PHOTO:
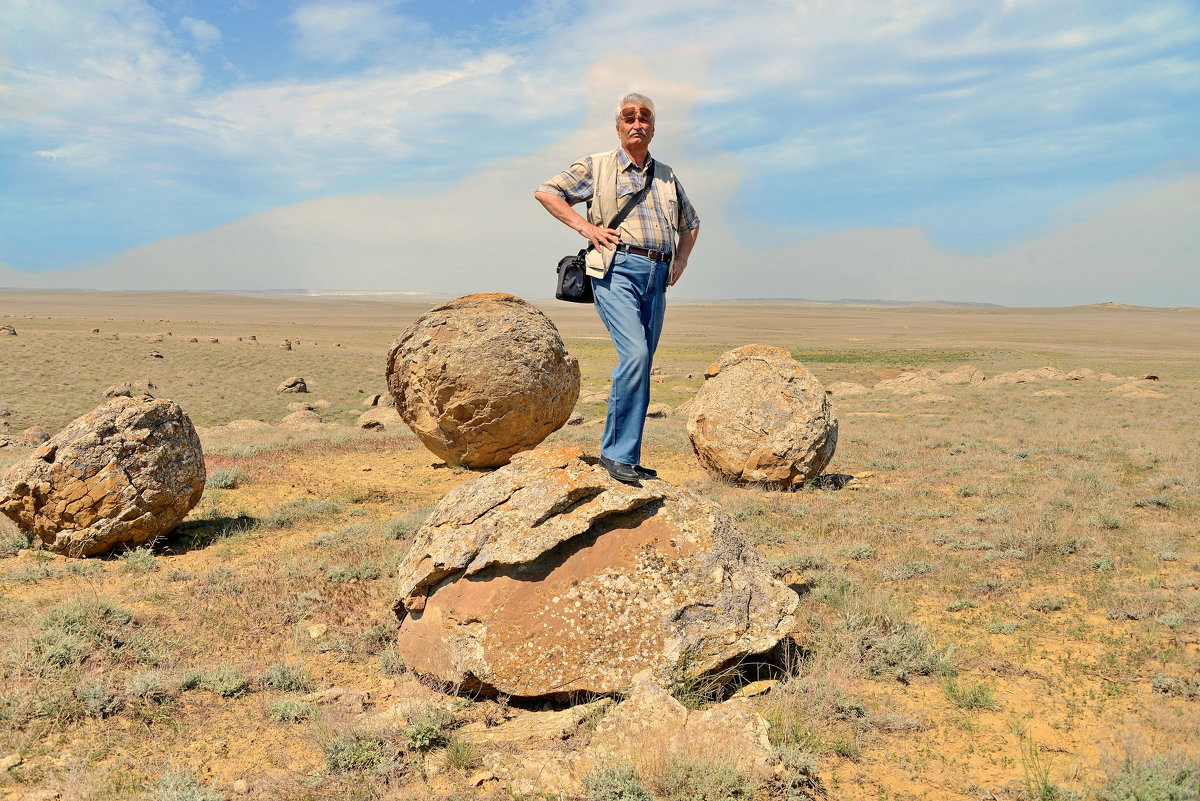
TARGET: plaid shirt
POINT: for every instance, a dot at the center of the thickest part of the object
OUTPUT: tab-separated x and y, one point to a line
647	225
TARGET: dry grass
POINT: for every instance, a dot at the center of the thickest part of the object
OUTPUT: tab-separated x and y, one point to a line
1005	603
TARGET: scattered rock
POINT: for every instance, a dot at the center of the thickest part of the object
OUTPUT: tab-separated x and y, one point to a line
122	474
322	404
548	577
1083	374
846	388
353	701
762	418
1149	377
114	337
155	354
192	339
285	345
576	419
317	630
293	384
300	406
95	331
241	787
650	725
246	425
213	340
482	377
7	330
10	761
5	412
122	390
252	338
306	418
966	374
910	383
379	418
1030	376
660	410
35	435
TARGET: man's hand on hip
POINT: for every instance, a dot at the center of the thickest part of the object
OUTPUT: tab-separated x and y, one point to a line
678	265
601	238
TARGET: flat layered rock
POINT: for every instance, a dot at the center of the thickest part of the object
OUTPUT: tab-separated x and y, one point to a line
119	476
760	417
549	577
482	377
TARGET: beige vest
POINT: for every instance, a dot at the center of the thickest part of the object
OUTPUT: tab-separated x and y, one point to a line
604	204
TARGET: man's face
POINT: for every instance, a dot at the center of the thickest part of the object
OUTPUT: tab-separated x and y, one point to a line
635	128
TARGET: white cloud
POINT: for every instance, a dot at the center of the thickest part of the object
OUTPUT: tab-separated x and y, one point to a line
341	30
204	34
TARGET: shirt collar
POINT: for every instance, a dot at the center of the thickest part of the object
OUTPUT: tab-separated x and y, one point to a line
624	162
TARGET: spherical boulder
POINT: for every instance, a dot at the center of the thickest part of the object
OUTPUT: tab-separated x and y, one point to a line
482	377
119	476
761	418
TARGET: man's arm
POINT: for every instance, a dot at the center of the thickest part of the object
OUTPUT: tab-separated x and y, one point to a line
558	207
687	241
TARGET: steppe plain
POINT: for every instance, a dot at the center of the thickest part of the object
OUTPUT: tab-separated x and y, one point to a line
1003	603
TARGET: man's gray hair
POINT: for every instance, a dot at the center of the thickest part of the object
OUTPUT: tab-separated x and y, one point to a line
634	97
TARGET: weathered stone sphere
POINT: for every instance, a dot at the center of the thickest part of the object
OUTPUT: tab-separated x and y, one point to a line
761	418
482	377
119	476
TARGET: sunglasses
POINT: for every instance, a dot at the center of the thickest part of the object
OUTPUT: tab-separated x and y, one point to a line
639	116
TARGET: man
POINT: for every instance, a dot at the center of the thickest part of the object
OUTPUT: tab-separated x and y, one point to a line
630	266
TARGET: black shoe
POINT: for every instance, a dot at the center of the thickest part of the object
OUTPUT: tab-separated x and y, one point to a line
625	473
645	472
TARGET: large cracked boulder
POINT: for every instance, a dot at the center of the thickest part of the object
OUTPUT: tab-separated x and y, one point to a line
482	377
122	474
549	577
761	418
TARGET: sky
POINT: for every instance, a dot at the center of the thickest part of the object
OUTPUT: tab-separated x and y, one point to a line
980	124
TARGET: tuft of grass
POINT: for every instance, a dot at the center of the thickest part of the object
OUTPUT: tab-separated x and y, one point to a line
139	560
426	727
698	777
1187	688
463	754
1109	521
227	479
98	699
289	710
149	687
225	681
618	782
1163	778
286	678
858	551
361	751
179	786
968	695
1047	604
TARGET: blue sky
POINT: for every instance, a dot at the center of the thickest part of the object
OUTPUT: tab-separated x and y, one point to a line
981	122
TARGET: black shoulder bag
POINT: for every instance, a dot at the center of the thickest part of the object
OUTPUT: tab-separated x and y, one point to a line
574	285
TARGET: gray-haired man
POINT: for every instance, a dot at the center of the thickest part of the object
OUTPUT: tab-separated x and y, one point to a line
630	267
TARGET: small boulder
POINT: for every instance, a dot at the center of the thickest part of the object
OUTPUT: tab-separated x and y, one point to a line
912	382
119	476
379	418
192	339
293	384
656	410
7	330
298	406
155	354
761	418
482	377
285	345
213	340
846	388
1030	376
576	419
548	577
305	418
966	374
95	331
1083	374
122	390
34	435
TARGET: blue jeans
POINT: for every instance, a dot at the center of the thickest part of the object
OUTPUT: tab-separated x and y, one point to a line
631	300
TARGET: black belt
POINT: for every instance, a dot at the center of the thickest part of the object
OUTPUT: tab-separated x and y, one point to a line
652	255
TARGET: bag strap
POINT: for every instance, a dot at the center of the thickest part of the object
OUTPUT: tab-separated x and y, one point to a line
629	204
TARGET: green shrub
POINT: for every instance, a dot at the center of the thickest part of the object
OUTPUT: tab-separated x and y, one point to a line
1159	779
361	751
139	560
288	710
708	777
462	754
98	699
1048	604
224	681
620	782
149	687
226	479
426	727
971	695
177	786
286	678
